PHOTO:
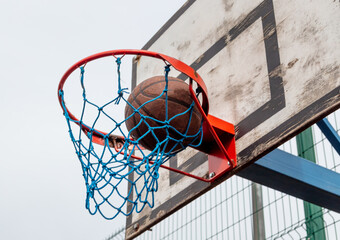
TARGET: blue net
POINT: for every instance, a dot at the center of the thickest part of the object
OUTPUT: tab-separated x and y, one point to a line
117	170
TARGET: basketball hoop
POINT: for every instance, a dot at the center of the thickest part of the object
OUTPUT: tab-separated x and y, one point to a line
128	151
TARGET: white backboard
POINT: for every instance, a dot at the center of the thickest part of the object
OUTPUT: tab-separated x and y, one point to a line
271	68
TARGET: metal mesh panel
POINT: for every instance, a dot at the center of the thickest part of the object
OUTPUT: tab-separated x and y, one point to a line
226	211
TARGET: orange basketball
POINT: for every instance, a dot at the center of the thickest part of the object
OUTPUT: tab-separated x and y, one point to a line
178	102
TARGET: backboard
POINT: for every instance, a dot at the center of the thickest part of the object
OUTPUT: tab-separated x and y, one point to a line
271	68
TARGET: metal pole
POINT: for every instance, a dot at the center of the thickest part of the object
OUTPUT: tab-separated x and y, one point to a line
258	217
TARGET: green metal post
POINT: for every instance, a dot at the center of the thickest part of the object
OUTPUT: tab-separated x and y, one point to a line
313	213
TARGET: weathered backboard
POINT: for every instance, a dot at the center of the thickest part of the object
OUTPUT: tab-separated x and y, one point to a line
271	68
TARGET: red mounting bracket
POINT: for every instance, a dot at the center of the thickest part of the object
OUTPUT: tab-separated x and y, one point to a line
219	144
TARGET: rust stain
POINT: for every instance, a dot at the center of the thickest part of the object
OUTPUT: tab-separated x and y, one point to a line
160	213
199	59
212	70
279	71
137	59
292	63
183	45
268	33
268	13
228	5
227	39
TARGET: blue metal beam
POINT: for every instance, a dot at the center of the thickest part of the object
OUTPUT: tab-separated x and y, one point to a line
298	177
330	133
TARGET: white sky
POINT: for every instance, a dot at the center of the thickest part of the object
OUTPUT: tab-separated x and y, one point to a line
42	192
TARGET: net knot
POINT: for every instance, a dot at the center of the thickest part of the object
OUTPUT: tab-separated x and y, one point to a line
120	95
167	69
91	188
121	90
61	93
119	60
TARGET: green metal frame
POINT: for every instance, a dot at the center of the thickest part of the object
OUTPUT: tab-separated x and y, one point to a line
313	213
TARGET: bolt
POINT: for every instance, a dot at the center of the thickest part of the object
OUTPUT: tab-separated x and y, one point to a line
211	175
136	226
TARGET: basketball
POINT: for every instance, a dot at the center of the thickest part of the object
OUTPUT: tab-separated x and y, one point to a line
178	102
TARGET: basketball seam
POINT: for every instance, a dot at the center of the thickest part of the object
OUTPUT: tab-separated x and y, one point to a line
141	91
146	143
148	113
136	103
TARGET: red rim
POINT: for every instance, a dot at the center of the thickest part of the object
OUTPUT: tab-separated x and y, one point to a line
177	64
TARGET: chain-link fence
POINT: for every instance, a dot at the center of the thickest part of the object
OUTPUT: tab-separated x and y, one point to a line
230	211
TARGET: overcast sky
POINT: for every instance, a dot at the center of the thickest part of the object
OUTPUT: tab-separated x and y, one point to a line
42	192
